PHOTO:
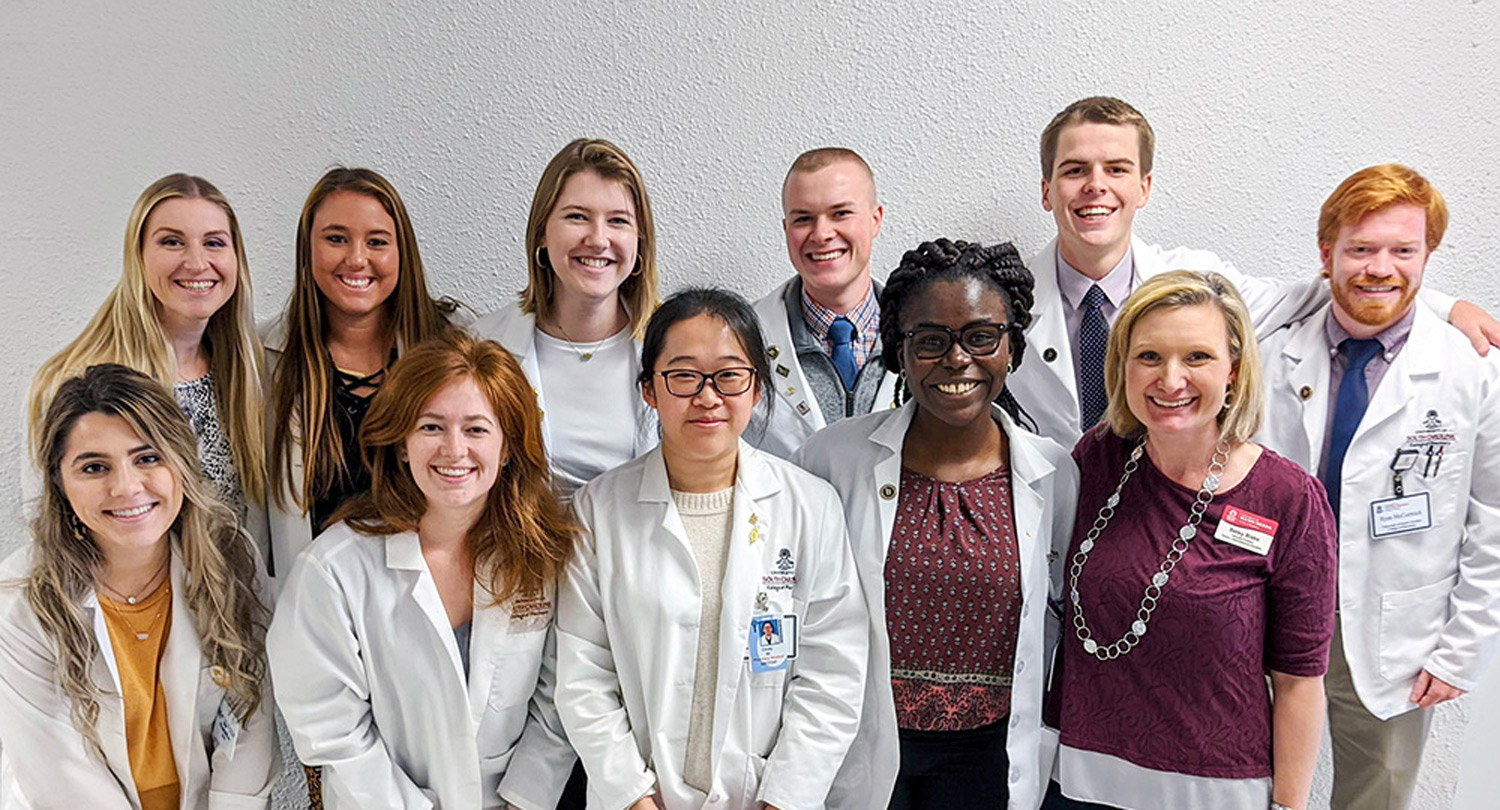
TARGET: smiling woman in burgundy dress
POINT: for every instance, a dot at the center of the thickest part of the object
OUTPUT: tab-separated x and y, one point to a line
1201	563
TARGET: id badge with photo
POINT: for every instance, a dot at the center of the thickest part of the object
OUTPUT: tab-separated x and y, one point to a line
773	642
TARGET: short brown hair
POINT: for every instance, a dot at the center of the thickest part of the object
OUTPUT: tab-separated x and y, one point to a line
639	290
825	156
1184	288
1371	189
524	536
1098	110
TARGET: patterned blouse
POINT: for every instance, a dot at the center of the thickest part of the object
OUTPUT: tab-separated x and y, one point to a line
201	405
953	601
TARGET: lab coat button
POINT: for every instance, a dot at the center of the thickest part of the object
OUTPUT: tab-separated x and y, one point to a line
888	491
1049	355
1015	774
1306	392
1025	611
1020	666
716	797
1015	719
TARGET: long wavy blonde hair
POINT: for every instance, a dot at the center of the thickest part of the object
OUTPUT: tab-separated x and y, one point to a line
127	330
302	406
220	560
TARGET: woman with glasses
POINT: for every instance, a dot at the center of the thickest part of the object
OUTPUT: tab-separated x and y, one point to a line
670	686
952	510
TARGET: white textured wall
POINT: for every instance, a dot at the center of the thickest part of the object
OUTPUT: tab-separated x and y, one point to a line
1260	108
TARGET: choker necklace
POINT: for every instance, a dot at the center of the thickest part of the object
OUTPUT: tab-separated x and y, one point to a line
1149	601
151	585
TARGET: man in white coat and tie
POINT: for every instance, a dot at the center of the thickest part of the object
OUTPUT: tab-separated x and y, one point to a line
822	327
1401	421
1096	173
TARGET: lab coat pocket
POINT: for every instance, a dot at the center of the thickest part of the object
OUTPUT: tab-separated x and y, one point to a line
515	679
1410	623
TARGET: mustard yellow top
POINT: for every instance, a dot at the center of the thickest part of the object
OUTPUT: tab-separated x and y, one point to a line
139	635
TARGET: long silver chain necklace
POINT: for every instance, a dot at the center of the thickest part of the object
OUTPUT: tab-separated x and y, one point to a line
1152	596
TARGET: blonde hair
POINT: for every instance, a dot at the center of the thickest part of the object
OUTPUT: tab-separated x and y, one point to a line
302	386
1184	288
1371	189
126	330
524	536
638	291
220	560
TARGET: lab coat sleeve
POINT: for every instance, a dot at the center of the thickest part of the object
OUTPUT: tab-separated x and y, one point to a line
1469	638
322	690
1273	302
54	766
543	760
821	711
589	699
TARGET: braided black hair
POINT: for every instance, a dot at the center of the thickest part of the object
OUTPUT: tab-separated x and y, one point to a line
999	266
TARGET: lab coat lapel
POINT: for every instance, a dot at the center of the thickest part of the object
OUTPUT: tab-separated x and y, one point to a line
1419	357
1049	329
781	353
403	552
1027	469
753	538
181	669
487	635
1306	354
656	489
111	724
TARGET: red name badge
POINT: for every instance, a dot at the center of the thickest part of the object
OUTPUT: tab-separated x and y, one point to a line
1246	530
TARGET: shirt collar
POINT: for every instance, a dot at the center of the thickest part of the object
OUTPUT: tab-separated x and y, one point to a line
1392	338
1116	284
865	316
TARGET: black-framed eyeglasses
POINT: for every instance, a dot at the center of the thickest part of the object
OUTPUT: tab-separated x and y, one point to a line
978	339
729	382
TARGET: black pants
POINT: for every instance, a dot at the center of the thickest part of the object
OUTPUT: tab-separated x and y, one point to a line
574	794
1057	801
943	770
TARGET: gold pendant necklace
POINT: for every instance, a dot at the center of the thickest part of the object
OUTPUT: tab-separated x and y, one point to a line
142	635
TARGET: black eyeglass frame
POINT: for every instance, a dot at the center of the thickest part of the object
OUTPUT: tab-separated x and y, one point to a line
706	379
960	337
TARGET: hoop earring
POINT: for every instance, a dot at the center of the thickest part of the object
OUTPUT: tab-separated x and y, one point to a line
80	530
542	262
635	271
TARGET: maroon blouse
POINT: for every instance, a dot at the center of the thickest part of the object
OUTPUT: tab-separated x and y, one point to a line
952	601
1191	697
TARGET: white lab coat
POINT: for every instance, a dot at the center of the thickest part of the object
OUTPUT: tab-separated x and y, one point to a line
862	457
516	331
372	687
628	614
46	763
1046	382
796	414
1428	600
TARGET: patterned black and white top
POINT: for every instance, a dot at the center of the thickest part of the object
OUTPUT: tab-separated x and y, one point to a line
201	405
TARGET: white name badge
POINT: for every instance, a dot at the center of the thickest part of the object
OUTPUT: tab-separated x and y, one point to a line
1246	530
226	730
773	642
1395	516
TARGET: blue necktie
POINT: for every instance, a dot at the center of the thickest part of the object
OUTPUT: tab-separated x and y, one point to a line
840	332
1093	338
1354	397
